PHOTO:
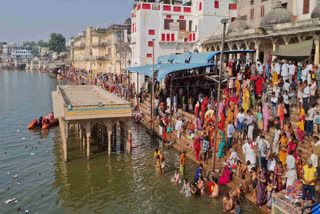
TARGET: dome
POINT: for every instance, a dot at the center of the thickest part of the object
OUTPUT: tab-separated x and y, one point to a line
316	11
277	15
237	26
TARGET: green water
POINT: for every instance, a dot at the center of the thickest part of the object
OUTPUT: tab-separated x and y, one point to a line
120	184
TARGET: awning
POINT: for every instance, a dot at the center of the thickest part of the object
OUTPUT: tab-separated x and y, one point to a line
181	58
169	68
202	57
145	69
165	58
295	51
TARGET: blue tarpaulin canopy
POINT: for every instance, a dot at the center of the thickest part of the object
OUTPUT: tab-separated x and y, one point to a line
165	58
173	63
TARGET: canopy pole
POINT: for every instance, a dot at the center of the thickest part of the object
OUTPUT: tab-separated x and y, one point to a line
224	22
152	90
171	92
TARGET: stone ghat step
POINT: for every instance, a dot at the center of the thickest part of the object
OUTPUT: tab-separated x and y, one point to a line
305	148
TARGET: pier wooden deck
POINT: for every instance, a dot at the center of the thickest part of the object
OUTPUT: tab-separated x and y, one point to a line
86	107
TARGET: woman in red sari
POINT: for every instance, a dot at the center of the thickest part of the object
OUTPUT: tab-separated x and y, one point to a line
197	147
225	178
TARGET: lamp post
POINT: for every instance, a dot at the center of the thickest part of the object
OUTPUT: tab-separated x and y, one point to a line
224	22
152	88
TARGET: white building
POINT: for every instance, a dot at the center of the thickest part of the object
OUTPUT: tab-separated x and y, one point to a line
21	53
175	29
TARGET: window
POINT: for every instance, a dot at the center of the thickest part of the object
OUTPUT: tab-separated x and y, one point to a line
149	55
233	19
216	4
306	6
190	25
181	17
262	11
252	13
168	16
163	37
200	6
150	44
172	37
168	37
182	24
167	23
251	2
176	9
151	32
166	7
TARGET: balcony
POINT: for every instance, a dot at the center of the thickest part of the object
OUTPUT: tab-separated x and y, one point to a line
80	46
101	44
106	57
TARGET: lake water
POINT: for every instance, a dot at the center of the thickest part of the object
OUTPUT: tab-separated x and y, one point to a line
121	183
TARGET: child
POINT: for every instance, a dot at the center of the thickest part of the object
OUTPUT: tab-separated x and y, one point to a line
236	209
254	181
260	119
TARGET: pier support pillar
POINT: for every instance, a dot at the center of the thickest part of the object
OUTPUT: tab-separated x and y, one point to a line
129	141
88	133
109	129
81	136
64	129
121	135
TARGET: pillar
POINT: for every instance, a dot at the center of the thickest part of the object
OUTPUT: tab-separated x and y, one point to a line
81	133
274	47
88	133
114	134
316	54
83	138
109	129
257	51
128	146
121	135
64	136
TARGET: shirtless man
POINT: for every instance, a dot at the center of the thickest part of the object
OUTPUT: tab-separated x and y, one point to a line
227	203
237	191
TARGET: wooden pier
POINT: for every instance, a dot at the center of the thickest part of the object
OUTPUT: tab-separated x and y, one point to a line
93	112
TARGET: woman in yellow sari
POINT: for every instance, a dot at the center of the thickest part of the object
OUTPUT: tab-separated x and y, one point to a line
238	87
283	148
230	113
245	100
274	78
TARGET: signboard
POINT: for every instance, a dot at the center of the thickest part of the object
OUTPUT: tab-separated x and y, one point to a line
174	26
183	34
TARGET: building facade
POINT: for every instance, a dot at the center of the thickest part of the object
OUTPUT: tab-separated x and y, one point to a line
266	25
101	49
175	28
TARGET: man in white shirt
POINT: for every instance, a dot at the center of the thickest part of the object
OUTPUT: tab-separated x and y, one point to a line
248	150
292	71
175	103
309	120
286	86
277	68
264	149
285	71
230	131
305	96
291	173
313	88
178	126
304	74
314	159
250	124
274	103
240	122
169	104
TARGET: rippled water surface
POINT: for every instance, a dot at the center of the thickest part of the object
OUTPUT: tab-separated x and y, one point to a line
46	184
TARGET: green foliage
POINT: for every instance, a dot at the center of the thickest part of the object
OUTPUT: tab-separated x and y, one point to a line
57	42
29	44
43	44
35	51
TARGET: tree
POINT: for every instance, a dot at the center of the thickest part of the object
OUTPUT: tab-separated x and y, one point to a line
29	44
57	43
43	44
35	51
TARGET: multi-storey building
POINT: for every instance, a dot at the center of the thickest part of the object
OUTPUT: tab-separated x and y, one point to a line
15	51
101	49
174	28
272	25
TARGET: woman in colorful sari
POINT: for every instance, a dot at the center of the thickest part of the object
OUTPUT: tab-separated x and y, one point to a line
222	120
245	100
283	148
225	178
272	185
279	172
252	95
274	78
221	146
238	87
266	115
280	112
300	129
292	146
230	114
197	147
261	188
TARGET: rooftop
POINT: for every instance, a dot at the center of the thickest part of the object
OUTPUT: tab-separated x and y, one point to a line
87	95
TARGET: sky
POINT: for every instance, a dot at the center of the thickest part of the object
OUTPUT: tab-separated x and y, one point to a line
34	20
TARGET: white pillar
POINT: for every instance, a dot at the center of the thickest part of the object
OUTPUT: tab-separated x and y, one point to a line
88	133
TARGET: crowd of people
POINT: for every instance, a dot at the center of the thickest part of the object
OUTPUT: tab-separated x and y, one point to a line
265	115
256	112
